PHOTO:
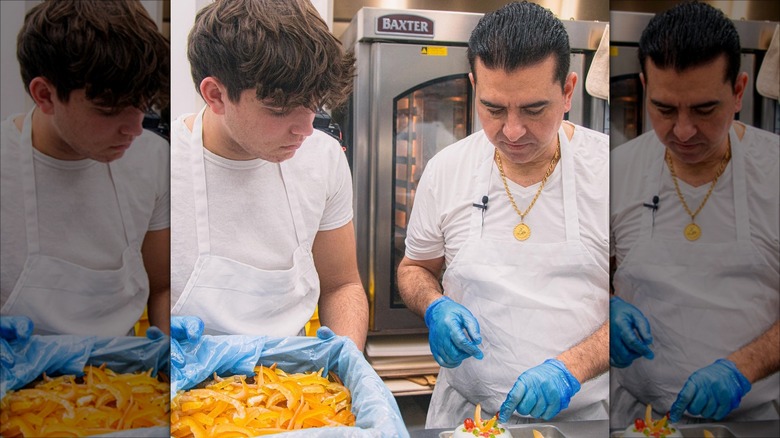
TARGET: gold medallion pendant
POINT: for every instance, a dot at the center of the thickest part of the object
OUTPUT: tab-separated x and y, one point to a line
522	232
692	232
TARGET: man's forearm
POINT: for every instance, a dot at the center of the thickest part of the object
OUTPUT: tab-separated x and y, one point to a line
761	357
158	310
418	288
590	357
345	311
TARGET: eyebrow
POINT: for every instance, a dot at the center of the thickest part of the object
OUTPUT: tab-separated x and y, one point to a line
697	106
530	105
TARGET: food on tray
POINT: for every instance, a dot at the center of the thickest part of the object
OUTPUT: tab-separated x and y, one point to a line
481	428
648	427
269	402
708	434
100	402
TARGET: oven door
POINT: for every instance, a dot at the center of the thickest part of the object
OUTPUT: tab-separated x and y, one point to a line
421	104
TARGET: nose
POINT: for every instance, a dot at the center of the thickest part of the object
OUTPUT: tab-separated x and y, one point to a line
684	127
514	128
132	122
302	123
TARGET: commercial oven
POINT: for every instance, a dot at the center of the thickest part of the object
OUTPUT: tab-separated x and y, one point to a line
412	98
627	112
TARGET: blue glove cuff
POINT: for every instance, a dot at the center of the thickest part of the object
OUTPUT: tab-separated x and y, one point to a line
429	310
571	381
614	298
739	378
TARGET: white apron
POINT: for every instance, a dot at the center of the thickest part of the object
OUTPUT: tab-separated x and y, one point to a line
65	298
532	301
689	291
234	298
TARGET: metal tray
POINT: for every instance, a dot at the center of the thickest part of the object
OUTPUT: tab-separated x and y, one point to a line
694	431
526	431
697	430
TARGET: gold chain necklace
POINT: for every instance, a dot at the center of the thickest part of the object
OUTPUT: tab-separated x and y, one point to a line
522	231
692	231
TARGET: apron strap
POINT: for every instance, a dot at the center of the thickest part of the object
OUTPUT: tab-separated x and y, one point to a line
290	187
652	183
200	191
31	198
738	178
124	206
483	173
570	212
28	187
197	166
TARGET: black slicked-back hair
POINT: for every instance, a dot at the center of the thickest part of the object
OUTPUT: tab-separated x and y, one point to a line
690	35
519	35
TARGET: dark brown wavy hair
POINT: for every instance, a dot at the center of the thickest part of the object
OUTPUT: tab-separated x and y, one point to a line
112	49
280	48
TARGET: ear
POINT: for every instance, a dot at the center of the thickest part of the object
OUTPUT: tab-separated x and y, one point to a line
568	90
214	93
739	90
43	93
471	79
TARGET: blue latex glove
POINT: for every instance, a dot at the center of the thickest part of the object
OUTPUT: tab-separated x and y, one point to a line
194	357
14	330
542	392
446	321
629	334
712	392
65	354
183	329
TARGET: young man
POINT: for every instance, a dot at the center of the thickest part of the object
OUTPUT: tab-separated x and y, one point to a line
528	284
262	203
694	320
85	215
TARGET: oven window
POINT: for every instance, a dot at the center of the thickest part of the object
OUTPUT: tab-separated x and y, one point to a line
625	108
426	119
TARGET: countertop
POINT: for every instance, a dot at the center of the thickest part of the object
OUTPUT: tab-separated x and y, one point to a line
585	429
600	429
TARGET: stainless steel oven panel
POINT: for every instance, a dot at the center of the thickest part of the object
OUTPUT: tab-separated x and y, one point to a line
362	156
448	27
746	114
391	66
627	27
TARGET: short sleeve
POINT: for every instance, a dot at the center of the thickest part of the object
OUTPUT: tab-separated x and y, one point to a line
338	205
161	215
424	236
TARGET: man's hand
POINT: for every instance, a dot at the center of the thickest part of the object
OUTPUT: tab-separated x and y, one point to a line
711	392
542	392
629	334
446	321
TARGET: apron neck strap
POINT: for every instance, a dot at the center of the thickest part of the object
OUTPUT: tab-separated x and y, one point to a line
197	165
483	175
653	178
739	183
31	197
200	192
571	214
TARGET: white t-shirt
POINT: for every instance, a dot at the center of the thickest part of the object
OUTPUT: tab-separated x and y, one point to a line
78	212
439	223
716	219
249	214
